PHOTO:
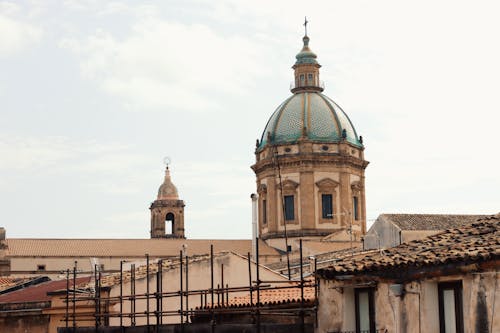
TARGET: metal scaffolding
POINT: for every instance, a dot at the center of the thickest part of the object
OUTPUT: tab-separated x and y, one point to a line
213	306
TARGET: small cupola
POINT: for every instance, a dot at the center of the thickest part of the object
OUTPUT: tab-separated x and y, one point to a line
167	190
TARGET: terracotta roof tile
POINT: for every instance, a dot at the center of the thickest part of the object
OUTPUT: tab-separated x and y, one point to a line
285	294
476	242
7	282
274	296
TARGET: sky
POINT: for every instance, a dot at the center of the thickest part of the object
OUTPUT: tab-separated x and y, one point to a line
94	94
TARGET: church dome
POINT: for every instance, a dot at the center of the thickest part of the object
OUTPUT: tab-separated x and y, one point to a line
309	115
167	190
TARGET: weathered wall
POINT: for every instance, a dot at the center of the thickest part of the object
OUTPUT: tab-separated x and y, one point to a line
481	298
199	328
333	301
22	318
417	309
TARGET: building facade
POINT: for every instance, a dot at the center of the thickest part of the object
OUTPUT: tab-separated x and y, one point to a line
309	164
446	282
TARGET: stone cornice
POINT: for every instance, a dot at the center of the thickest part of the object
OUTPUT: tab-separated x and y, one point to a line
344	142
298	233
313	159
167	203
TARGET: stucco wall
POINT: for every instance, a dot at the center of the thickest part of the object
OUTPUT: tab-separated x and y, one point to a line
55	265
58	264
417	310
24	323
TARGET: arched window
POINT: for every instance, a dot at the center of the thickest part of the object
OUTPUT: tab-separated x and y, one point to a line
169	223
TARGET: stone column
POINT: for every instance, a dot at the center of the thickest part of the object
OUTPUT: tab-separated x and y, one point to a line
273	204
307	202
179	220
363	205
345	210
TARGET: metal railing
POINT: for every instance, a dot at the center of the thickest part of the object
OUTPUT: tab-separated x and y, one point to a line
306	84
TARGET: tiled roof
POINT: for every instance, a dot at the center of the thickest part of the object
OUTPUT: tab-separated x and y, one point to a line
477	242
19	247
274	296
37	293
430	221
7	282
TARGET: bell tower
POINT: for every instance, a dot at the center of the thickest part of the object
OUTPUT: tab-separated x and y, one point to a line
167	211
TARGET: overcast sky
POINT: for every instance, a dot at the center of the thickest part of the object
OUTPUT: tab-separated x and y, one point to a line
94	94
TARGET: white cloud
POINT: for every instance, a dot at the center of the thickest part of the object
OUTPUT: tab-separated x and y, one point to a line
32	153
9	8
127	217
166	64
59	153
16	35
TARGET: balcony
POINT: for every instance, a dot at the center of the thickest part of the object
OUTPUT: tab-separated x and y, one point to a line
307	86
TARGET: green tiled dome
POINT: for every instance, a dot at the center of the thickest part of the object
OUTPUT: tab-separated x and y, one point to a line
321	117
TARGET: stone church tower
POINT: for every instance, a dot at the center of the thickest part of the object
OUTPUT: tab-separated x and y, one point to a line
310	165
167	211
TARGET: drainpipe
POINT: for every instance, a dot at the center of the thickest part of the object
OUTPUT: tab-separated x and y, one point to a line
255	214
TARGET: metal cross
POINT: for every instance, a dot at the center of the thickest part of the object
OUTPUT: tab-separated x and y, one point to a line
167	160
305	24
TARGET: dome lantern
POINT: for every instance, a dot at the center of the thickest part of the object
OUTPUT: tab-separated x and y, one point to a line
306	69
